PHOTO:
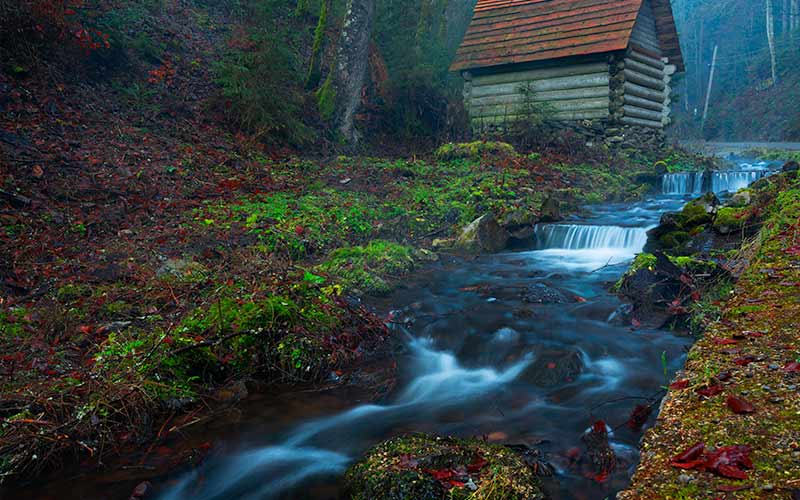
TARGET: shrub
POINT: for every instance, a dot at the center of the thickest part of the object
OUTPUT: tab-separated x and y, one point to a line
262	77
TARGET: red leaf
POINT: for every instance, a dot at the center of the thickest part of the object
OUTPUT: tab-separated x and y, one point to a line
710	391
299	230
722	377
477	464
725	341
441	474
639	416
579	299
728	461
636	323
691	458
679	384
793	367
739	405
599	426
85	329
744	361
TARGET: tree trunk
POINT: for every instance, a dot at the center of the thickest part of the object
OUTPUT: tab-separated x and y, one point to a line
346	80
771	40
457	14
785	29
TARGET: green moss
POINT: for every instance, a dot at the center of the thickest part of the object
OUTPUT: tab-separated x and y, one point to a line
675	239
116	309
13	323
730	218
365	268
642	261
473	150
73	291
398	469
326	99
694	214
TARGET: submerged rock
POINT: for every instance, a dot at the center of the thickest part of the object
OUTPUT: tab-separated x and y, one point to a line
539	293
554	367
484	234
423	467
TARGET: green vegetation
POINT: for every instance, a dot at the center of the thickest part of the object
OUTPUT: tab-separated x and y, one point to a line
363	269
473	150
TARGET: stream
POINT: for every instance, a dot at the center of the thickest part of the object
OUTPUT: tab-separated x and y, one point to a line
523	347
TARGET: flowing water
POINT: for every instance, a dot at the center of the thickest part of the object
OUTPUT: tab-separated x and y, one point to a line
718	181
480	336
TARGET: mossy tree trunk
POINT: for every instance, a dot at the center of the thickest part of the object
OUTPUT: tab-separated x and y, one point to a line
340	96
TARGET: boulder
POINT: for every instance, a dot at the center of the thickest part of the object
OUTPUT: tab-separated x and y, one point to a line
741	199
483	234
791	166
519	223
442	243
552	368
551	210
425	467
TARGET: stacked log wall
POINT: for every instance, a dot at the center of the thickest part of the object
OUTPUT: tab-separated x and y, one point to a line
643	77
570	93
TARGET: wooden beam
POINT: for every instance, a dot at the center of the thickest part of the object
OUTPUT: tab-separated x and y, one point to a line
638	122
643	80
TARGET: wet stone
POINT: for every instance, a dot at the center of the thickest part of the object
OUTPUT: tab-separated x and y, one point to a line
539	293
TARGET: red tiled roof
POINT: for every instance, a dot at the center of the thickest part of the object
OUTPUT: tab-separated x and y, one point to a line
518	31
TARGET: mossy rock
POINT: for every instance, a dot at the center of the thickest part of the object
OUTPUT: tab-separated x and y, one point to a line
730	219
407	467
473	150
699	211
674	239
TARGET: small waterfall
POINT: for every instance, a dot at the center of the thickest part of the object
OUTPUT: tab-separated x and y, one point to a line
682	183
580	237
721	181
732	181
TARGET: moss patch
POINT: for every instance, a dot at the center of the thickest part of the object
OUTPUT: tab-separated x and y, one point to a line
412	467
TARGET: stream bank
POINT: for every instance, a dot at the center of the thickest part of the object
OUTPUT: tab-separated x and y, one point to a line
730	425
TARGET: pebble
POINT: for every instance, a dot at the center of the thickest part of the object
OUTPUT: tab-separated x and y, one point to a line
773	367
776	400
769	487
685	478
792	387
767	388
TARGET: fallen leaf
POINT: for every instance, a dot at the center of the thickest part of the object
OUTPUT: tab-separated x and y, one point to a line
793	367
679	384
639	417
739	406
725	341
710	391
691	458
744	361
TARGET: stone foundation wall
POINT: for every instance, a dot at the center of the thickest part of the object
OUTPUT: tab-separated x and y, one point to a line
615	135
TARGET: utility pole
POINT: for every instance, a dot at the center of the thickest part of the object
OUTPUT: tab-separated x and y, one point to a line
710	85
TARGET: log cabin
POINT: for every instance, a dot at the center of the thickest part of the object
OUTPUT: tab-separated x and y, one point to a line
598	65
